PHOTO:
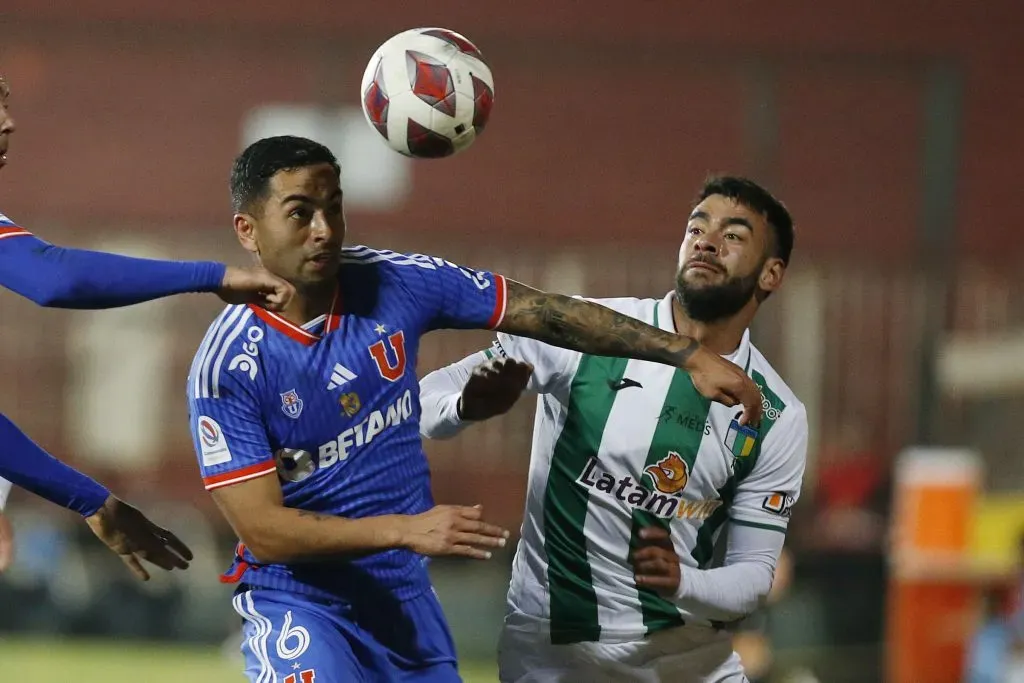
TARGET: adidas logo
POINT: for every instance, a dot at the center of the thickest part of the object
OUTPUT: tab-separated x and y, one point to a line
340	376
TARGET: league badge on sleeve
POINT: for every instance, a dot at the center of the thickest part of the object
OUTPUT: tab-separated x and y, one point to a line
291	404
740	439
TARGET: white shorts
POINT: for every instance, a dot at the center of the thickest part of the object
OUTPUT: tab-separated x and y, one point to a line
677	655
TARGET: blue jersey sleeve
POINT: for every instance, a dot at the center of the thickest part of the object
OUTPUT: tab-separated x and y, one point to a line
447	295
60	277
228	431
24	463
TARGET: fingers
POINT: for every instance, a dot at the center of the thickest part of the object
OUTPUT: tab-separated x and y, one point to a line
470	521
155	551
654	564
507	369
483	528
135	566
480	539
661	583
752	403
175	544
471	552
653	552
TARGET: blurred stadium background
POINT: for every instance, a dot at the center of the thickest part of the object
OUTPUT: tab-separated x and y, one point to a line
892	130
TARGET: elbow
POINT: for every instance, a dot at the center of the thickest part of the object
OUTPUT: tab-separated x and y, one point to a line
49	296
267	552
267	547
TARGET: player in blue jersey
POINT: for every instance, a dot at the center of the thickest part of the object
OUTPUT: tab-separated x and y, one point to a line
305	424
72	278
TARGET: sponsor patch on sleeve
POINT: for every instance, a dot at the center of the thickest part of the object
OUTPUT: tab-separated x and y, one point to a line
777	503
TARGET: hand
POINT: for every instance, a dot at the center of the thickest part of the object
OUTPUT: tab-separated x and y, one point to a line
132	536
493	388
6	543
452	530
724	382
254	285
655	563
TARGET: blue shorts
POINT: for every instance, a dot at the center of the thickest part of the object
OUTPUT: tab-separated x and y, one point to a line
307	640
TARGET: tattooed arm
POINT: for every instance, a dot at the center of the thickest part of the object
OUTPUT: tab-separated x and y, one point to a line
594	329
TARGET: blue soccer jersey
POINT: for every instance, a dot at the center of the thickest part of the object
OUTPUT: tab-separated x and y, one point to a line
332	408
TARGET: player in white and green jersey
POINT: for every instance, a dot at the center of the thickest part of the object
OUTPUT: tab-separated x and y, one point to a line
634	474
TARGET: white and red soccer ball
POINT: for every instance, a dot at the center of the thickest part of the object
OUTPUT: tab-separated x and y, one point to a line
428	92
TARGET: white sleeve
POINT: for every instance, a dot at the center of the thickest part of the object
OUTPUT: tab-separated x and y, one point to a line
5	491
765	498
758	519
439	397
550	363
741	585
440	390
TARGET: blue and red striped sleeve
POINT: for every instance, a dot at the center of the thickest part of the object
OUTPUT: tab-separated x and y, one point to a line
450	296
228	431
26	464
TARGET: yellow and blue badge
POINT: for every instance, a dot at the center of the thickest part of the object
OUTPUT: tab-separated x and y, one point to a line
740	439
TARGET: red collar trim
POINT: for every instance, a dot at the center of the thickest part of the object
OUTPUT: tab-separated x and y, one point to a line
295	332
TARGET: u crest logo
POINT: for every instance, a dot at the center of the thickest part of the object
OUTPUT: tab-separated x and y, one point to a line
388	370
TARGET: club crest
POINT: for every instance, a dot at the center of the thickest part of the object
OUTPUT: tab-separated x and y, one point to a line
291	404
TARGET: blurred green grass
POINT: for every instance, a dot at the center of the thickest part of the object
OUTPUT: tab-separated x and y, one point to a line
76	661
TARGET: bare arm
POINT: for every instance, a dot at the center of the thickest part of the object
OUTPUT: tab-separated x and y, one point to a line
594	329
590	328
275	533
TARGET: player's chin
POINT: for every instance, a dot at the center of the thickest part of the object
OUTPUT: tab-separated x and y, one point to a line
698	278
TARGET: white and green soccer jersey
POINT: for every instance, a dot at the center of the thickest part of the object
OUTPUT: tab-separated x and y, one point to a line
619	444
622	444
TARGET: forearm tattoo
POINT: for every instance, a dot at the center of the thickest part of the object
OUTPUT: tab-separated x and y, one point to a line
589	328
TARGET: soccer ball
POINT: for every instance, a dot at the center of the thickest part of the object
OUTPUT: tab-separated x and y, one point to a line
428	92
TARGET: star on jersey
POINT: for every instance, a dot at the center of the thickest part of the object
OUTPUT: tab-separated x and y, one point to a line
380	329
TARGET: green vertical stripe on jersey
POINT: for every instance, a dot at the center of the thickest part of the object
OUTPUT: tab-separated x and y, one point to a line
680	430
773	406
573	600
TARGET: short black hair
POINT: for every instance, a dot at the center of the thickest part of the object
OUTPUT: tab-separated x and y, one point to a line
254	167
751	195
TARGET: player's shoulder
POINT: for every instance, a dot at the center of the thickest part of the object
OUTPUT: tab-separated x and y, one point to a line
231	347
386	259
778	398
367	270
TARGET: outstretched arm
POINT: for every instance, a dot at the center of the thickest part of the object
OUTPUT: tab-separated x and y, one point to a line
123	529
590	328
62	277
25	464
595	329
